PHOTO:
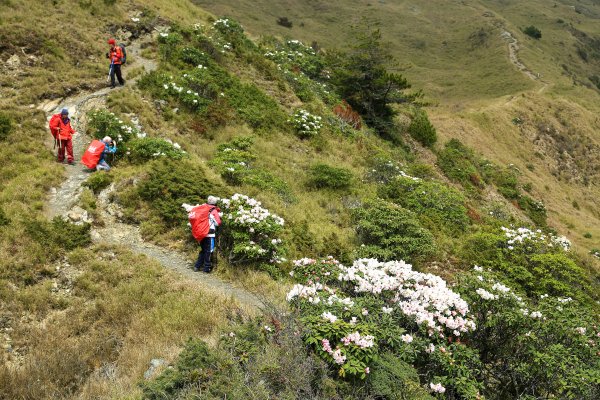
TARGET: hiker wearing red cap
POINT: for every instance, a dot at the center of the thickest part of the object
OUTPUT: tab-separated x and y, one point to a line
116	57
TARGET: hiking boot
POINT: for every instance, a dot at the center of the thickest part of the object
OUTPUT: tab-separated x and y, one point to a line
71	162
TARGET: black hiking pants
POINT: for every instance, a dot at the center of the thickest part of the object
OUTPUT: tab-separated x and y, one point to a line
206	247
116	70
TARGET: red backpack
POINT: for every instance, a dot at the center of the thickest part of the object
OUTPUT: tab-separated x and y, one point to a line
93	153
199	220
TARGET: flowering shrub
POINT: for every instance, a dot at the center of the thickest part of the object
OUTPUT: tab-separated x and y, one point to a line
525	344
352	312
250	232
527	241
144	149
384	170
234	162
294	54
105	123
305	123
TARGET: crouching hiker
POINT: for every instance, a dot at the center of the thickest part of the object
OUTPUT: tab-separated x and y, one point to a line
95	155
60	127
204	219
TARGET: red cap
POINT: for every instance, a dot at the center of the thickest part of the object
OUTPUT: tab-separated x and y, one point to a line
111	41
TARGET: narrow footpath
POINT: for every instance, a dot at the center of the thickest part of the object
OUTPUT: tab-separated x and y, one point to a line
64	199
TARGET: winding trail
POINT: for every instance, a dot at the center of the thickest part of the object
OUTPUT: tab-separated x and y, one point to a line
63	199
513	55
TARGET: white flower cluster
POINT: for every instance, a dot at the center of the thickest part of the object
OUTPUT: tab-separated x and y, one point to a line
525	236
222	22
437	387
422	296
361	341
248	211
306	124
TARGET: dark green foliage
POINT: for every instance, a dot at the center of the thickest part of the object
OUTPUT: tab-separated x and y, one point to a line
145	149
438	206
389	232
172	183
364	81
194	57
58	235
255	108
484	249
285	22
234	162
4	220
197	367
393	379
587	235
557	275
595	80
5	126
421	129
98	181
323	176
458	163
535	210
533	32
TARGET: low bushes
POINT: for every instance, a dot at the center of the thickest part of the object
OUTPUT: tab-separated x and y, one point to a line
421	129
172	183
438	206
389	232
323	176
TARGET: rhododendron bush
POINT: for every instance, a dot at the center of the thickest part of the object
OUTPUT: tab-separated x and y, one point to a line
250	231
459	338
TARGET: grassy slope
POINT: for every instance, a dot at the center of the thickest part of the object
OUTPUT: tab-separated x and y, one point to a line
475	89
475	112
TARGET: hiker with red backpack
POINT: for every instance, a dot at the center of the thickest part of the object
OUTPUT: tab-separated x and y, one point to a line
61	130
117	57
95	155
204	219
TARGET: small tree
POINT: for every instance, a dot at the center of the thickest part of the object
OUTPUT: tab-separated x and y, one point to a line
363	79
422	130
533	32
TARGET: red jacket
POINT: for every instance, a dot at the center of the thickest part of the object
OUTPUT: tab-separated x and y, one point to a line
59	128
115	54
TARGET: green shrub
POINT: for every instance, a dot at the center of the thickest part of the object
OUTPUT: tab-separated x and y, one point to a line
195	368
103	123
255	108
170	183
194	57
438	206
535	210
421	129
389	232
393	379
4	220
58	235
234	162
458	163
97	182
145	149
325	176
525	345
533	32
5	126
484	249
557	275
587	235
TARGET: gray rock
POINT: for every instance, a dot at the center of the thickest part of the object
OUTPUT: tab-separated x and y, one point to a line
155	363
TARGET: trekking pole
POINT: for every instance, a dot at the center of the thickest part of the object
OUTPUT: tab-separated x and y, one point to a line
109	72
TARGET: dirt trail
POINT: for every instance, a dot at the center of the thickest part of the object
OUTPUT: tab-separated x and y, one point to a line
64	198
513	55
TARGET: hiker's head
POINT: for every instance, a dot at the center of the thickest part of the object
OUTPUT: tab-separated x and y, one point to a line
212	200
112	42
64	113
107	140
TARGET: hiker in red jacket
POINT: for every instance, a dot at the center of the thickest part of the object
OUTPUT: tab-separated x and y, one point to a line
116	57
205	220
60	127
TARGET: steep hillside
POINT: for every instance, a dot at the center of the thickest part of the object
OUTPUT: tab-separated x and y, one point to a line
370	248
